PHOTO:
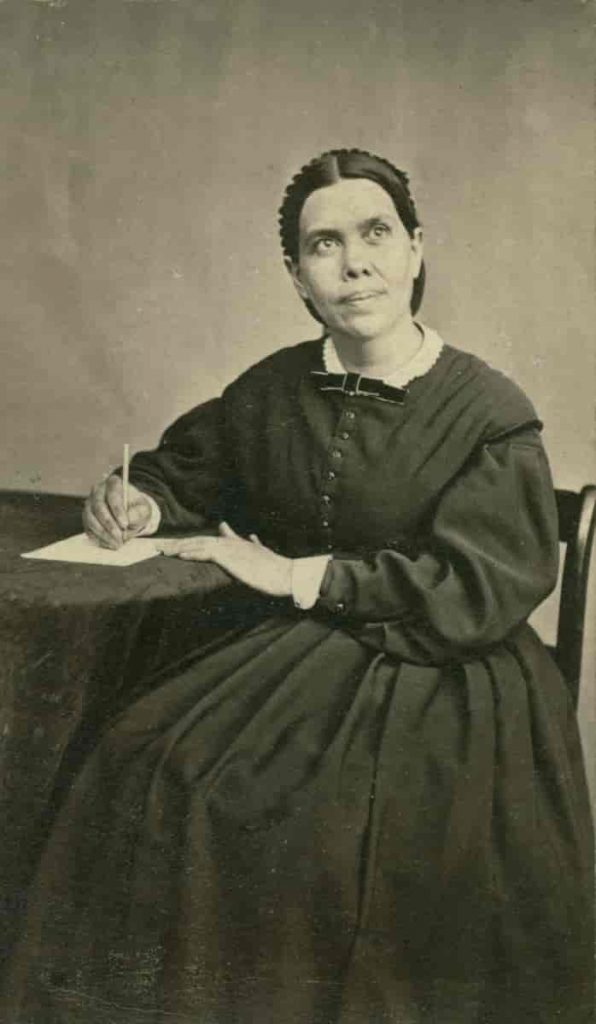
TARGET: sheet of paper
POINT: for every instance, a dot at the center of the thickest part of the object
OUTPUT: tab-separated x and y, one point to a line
81	548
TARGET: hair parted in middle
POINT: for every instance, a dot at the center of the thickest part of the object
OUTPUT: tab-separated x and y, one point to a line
328	169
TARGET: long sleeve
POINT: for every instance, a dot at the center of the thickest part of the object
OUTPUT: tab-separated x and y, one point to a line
189	474
488	559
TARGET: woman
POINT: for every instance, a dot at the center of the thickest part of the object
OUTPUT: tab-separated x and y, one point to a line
368	803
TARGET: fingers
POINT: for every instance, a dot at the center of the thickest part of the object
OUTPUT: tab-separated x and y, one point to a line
198	549
139	514
106	520
95	530
227	531
98	519
114	499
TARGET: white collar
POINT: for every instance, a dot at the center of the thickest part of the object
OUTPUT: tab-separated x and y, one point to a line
420	363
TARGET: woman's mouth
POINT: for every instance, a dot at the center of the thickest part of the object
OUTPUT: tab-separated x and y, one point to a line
355	298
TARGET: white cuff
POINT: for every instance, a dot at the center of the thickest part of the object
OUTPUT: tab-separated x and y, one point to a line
154	520
307	576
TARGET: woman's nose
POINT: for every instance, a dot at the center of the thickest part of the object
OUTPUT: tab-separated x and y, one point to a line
355	260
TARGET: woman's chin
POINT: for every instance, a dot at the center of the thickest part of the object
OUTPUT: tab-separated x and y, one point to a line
365	327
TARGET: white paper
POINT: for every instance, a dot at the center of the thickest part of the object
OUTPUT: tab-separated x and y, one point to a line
81	548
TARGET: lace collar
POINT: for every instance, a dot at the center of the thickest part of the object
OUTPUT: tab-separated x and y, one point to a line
420	363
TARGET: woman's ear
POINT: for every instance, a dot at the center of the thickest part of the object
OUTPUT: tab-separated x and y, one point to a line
294	272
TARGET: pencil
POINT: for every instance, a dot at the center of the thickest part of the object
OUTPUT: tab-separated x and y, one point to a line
125	468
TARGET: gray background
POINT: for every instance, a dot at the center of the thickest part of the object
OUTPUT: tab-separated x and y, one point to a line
146	146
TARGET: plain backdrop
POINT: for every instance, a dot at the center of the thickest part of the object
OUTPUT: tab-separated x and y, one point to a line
145	148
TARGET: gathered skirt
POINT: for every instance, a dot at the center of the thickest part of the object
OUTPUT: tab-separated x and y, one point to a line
290	828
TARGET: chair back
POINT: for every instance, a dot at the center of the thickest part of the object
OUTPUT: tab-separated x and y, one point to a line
577	524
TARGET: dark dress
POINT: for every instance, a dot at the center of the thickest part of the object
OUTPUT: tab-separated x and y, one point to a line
371	812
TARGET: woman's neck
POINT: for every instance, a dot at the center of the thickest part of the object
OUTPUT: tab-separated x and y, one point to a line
380	356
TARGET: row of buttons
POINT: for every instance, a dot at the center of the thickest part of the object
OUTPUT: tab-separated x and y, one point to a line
327	499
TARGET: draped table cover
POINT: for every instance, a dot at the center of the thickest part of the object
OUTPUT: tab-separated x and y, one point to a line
76	641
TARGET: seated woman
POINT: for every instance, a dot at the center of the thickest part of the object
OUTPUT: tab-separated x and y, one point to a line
366	804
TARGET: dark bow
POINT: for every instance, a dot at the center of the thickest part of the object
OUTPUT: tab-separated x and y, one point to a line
354	384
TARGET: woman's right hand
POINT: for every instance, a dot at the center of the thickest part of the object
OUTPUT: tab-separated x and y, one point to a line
104	516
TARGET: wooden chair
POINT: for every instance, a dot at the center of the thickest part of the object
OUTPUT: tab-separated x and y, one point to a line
577	525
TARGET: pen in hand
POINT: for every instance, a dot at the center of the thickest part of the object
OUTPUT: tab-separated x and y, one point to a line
116	511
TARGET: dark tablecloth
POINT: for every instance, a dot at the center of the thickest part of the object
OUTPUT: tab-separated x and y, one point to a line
76	642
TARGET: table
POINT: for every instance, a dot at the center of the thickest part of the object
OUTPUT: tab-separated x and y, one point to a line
76	642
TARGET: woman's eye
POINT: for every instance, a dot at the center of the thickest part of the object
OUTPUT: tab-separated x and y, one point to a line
322	246
378	231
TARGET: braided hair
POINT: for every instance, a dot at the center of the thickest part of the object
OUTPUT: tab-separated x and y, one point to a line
330	168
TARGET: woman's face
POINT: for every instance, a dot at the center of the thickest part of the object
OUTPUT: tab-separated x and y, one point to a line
357	262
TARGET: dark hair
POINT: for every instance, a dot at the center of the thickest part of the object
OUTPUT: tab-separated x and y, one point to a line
328	169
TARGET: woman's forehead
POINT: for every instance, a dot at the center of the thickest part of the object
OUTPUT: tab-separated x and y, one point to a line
343	203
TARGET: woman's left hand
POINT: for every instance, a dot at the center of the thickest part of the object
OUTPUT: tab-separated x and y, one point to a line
247	560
